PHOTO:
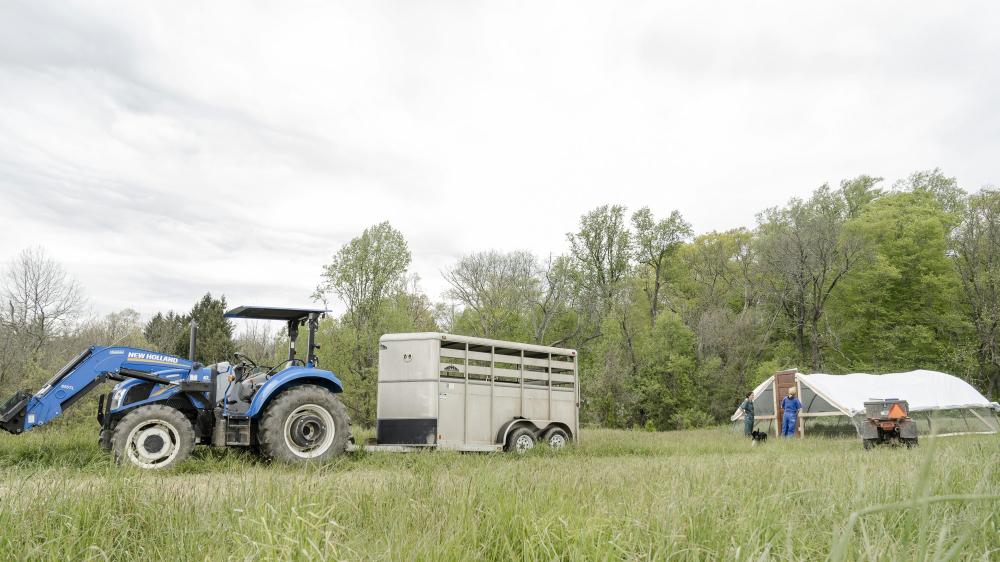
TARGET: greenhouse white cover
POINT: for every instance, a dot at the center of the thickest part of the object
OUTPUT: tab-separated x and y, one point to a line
923	390
826	394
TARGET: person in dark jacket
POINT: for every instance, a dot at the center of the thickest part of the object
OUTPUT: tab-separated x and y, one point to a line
747	407
791	405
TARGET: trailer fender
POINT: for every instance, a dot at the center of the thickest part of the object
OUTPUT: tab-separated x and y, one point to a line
562	426
292	377
513	424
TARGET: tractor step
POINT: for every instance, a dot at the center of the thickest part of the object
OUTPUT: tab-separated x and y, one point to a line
238	431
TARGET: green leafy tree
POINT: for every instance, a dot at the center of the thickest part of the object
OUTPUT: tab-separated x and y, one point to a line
601	249
656	242
902	311
945	190
365	271
860	192
666	384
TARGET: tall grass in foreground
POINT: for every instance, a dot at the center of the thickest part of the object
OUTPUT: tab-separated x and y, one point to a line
697	495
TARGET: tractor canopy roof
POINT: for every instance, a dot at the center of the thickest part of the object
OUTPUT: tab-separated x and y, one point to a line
273	313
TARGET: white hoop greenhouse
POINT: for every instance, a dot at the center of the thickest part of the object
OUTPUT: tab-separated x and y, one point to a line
941	404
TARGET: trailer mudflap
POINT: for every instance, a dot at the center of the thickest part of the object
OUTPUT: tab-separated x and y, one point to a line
12	412
406	431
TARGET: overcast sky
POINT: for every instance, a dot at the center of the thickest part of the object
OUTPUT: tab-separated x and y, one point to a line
233	147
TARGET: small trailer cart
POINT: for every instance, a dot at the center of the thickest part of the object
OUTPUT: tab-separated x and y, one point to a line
888	422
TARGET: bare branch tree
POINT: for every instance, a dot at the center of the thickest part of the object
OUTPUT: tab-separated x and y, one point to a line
40	300
808	252
498	287
257	340
555	292
976	254
124	327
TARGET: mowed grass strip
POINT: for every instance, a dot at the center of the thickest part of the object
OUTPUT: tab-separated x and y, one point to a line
619	495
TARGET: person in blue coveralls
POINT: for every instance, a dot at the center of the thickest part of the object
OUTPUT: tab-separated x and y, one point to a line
791	405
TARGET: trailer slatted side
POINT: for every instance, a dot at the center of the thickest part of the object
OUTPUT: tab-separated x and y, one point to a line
476	386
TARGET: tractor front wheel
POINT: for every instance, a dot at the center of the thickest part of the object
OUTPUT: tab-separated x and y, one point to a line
154	437
304	423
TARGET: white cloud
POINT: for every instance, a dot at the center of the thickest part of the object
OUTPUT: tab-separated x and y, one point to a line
164	151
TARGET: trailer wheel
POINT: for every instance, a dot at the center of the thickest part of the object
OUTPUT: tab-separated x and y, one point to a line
556	438
153	437
869	443
521	440
304	423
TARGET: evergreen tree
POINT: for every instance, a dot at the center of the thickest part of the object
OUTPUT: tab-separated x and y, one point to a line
215	332
164	331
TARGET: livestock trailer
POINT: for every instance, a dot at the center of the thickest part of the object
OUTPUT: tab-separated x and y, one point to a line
474	394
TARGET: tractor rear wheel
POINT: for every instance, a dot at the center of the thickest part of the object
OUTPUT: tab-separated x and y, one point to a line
153	437
304	423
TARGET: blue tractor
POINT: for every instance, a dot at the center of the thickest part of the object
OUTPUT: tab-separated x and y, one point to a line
163	405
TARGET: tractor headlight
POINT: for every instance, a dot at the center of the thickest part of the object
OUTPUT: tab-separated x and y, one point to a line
117	398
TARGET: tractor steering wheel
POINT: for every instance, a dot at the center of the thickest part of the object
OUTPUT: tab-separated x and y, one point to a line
274	370
244	359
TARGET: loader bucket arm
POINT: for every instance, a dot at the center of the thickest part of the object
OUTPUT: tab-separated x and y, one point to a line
83	373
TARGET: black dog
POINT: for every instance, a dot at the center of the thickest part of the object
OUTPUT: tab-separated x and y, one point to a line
758	436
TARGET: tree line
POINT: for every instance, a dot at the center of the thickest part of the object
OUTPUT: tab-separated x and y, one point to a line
671	326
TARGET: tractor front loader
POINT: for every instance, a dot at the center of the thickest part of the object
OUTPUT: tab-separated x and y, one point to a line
163	405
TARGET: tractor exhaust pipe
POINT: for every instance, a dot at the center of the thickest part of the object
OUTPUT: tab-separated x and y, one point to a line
194	339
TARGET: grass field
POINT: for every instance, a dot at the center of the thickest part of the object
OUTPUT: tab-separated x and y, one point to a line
697	495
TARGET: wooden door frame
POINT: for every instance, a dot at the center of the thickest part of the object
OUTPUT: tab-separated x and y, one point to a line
779	416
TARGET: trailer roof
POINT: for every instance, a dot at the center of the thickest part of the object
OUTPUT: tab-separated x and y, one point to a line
478	341
272	313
